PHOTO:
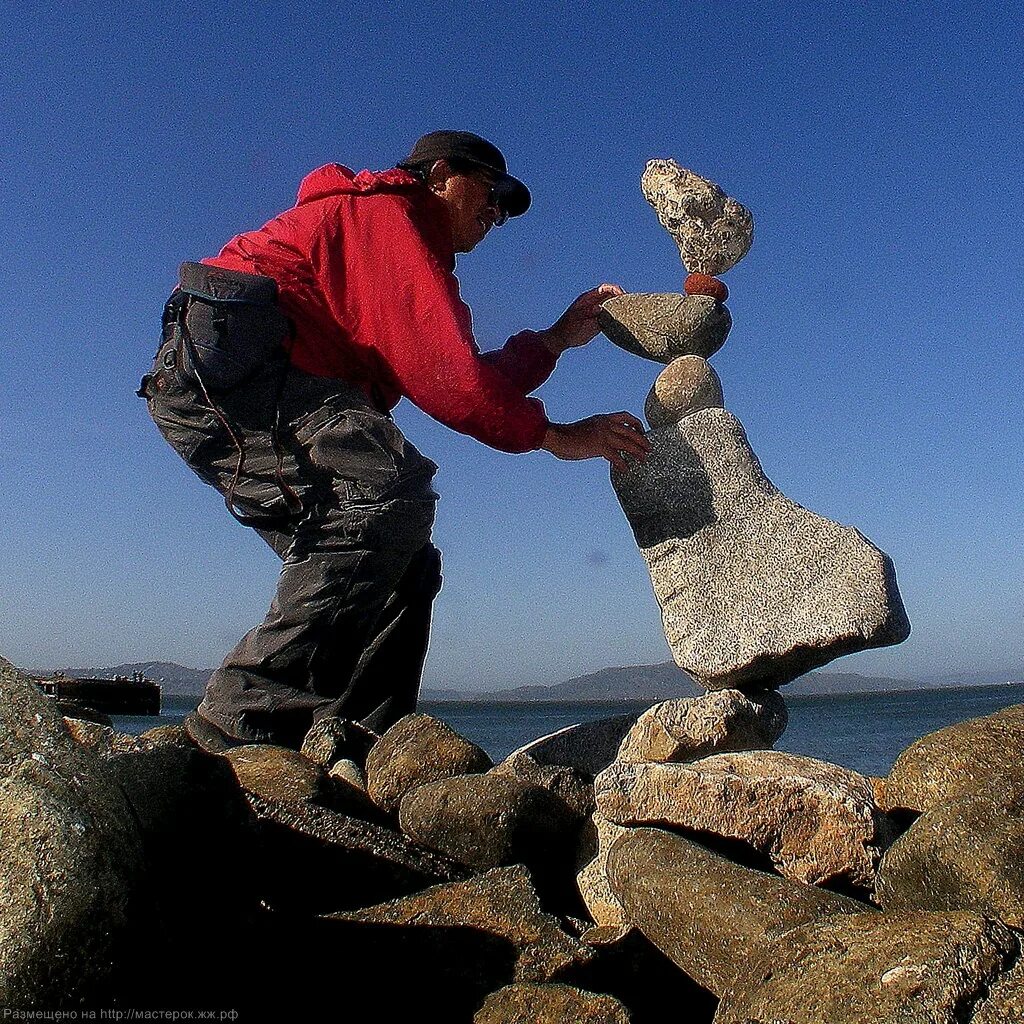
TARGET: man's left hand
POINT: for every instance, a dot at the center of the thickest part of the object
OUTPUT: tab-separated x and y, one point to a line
578	324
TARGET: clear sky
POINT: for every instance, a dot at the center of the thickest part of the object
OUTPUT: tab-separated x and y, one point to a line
875	360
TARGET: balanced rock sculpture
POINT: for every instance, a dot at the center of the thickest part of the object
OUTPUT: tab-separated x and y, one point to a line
754	589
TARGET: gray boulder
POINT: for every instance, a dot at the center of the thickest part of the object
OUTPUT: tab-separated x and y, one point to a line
689	728
665	325
977	756
816	823
872	969
588	747
705	913
418	749
532	1003
688	384
754	589
712	230
70	860
965	855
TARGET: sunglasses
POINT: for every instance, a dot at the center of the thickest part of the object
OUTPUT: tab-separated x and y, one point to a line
497	198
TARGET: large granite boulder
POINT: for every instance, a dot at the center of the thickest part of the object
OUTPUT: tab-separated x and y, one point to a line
570	785
965	855
979	755
418	749
712	230
754	589
588	747
665	326
71	858
705	913
688	384
814	822
312	859
592	878
872	969
689	728
532	1003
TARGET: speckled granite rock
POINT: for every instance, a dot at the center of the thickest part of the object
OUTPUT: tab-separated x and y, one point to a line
418	749
872	969
570	785
688	384
70	858
500	903
102	739
690	728
312	859
705	913
816	822
592	879
665	325
712	230
532	1003
754	589
972	757
331	739
588	747
965	855
277	773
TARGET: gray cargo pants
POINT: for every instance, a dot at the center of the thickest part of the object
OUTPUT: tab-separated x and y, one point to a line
347	632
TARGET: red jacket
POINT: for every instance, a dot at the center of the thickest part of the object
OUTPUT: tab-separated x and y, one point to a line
364	265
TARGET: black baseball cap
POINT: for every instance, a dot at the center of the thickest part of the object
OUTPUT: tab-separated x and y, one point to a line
471	149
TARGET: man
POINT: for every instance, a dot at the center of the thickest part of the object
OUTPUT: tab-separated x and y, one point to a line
280	362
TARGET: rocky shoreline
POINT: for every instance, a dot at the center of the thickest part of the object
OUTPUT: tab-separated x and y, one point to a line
622	870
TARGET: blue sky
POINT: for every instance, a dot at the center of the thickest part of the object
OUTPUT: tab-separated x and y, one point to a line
875	359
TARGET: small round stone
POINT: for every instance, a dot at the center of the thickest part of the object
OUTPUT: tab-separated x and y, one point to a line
705	284
686	385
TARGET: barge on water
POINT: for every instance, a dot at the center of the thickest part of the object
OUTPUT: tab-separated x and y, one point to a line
122	695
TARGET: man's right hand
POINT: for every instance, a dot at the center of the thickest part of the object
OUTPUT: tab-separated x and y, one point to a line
608	436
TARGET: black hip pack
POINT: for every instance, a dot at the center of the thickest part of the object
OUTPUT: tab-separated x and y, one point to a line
232	323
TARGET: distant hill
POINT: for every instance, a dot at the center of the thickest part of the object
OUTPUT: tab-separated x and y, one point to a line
631	682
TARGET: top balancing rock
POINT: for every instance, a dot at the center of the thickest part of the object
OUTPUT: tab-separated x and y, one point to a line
712	230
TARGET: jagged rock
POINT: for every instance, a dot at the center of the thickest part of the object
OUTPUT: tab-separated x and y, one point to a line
815	822
167	735
331	739
502	904
972	757
872	969
1004	1003
665	325
311	858
592	879
418	749
967	855
588	747
103	740
689	728
70	859
688	384
570	785
712	230
485	821
754	589
533	1003
350	789
277	773
705	913
72	707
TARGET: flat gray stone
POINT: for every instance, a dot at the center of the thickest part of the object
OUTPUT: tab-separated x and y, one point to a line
966	855
588	747
689	728
981	755
816	823
705	913
664	326
754	589
687	385
872	969
712	230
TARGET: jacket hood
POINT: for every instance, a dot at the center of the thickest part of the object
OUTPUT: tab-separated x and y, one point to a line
337	179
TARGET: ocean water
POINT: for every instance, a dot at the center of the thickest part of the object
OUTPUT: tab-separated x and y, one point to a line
865	732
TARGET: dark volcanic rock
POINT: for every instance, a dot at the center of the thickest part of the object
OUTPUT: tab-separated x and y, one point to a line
418	749
312	859
872	969
979	755
70	858
707	914
530	1003
967	855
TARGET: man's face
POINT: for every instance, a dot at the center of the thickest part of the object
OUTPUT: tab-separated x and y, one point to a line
470	203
